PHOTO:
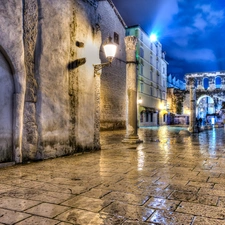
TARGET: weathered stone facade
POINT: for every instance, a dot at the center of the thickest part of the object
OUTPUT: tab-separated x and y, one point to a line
47	50
113	78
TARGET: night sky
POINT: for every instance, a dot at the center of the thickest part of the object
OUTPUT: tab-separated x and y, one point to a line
192	32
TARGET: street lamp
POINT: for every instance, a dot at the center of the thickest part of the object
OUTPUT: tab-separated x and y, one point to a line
140	100
110	52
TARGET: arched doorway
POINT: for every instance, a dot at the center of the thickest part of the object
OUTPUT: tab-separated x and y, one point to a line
205	107
6	111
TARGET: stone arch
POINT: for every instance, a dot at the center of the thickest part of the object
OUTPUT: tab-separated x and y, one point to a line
204	107
7	90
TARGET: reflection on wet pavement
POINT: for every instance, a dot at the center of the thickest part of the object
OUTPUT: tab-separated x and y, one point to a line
170	178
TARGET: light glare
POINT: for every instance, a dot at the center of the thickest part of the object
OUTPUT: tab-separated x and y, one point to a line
153	37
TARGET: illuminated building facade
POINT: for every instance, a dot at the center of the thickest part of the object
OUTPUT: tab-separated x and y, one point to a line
152	79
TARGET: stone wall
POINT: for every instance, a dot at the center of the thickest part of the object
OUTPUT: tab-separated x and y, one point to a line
113	78
51	47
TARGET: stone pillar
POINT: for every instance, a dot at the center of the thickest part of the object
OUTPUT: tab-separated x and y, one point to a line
192	122
131	91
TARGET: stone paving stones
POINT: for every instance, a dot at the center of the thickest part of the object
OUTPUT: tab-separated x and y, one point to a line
193	197
47	210
51	197
24	193
173	181
201	184
4	188
11	217
214	191
207	221
16	203
77	216
202	210
171	218
160	203
95	193
133	199
128	211
90	204
36	220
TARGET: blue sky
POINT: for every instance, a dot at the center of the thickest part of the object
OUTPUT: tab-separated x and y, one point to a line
192	32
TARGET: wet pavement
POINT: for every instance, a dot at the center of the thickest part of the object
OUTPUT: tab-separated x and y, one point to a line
168	179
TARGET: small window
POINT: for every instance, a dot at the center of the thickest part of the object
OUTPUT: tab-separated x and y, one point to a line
116	38
151	91
141	69
141	52
141	36
141	87
151	117
151	59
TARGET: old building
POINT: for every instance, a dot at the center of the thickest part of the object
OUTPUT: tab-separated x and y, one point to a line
177	114
48	90
209	96
152	77
113	78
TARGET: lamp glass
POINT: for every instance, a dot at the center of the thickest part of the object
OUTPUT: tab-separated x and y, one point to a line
110	51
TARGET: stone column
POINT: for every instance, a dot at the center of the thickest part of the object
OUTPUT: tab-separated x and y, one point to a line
192	122
131	91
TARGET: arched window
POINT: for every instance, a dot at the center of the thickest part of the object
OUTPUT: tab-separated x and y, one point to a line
218	82
206	83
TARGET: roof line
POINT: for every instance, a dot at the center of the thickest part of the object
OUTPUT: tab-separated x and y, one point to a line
116	12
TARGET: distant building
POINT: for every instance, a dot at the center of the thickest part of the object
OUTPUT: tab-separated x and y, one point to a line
175	100
210	96
152	77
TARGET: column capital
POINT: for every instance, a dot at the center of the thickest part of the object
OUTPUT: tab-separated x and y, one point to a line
130	42
191	80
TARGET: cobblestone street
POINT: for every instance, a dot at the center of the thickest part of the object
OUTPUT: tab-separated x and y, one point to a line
168	179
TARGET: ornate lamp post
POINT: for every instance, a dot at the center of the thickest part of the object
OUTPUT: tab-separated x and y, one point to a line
110	52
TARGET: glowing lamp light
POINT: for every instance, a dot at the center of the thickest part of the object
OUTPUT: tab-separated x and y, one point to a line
140	100
110	52
110	49
153	37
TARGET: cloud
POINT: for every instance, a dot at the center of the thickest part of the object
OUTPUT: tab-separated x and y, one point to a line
209	15
200	23
193	55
